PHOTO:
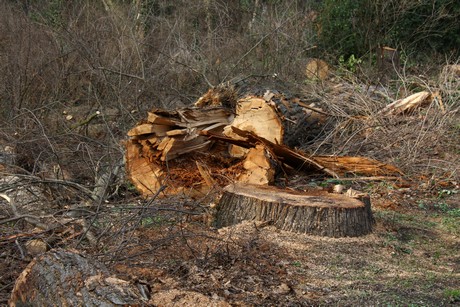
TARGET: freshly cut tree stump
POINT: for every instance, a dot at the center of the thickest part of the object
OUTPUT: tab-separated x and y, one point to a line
316	69
66	278
318	213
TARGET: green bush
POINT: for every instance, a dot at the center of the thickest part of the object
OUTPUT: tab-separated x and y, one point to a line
341	31
357	27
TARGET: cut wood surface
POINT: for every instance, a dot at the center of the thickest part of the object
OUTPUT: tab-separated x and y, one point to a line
67	278
258	167
413	102
318	213
316	69
233	136
253	114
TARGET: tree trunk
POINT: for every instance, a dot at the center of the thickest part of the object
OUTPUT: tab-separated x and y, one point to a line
66	278
316	69
242	132
318	213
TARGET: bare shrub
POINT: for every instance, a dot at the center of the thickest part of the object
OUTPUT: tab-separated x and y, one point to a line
421	142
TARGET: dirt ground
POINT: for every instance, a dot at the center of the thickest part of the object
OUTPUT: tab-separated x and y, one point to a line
411	259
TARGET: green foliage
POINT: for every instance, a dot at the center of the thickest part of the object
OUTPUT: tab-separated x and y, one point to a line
358	27
340	30
50	14
351	64
453	295
427	25
153	221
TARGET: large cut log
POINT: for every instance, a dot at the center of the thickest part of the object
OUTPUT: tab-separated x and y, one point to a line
318	213
255	115
231	135
169	142
67	278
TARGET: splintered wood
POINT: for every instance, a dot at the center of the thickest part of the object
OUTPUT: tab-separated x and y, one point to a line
224	139
253	114
412	102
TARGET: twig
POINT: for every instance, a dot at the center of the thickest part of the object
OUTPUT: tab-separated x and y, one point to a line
20	248
76	186
250	50
32	219
158	209
189	67
376	178
121	73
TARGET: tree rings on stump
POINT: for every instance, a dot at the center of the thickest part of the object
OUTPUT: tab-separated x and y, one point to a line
317	213
316	69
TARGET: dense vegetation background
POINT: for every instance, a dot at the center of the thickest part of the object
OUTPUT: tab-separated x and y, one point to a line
76	75
121	58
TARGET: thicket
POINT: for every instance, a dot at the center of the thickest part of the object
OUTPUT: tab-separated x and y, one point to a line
121	58
358	27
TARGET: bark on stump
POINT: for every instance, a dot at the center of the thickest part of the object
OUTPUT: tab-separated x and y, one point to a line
66	278
319	213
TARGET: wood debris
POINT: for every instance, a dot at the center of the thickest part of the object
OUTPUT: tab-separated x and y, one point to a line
227	138
413	102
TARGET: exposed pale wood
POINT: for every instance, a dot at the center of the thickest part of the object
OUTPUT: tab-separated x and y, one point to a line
357	166
66	278
158	130
200	117
164	143
409	103
176	132
284	154
157	119
146	175
258	167
176	147
205	173
325	214
255	115
316	69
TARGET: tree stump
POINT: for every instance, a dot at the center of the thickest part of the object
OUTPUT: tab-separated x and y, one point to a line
316	69
317	213
66	278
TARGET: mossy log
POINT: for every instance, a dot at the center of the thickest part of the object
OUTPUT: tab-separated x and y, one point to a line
317	213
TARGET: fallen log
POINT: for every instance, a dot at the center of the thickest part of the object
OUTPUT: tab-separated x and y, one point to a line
333	166
67	278
229	136
318	213
413	102
164	148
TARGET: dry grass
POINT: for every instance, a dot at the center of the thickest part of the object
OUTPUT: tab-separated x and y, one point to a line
424	142
100	61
